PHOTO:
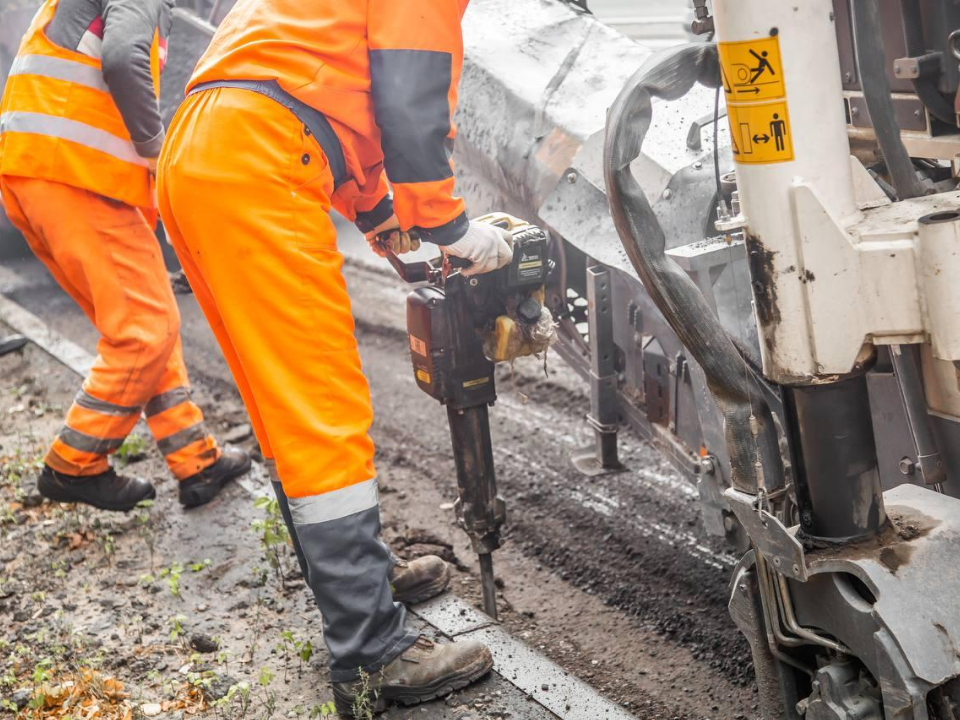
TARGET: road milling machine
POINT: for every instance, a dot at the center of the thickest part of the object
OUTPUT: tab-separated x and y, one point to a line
756	249
843	201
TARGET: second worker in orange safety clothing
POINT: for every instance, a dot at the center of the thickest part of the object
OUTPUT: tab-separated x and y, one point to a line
80	131
297	108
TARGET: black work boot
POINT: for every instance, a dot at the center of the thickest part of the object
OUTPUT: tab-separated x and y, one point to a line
424	671
203	487
414	581
107	491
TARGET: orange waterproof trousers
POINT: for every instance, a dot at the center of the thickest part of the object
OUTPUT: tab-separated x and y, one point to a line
244	192
105	256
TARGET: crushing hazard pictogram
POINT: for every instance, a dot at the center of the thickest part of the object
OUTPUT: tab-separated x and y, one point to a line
756	97
751	70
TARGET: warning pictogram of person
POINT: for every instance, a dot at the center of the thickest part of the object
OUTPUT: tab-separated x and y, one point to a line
763	65
778	128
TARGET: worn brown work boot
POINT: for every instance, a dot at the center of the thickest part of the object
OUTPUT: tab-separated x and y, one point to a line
425	670
203	487
414	581
107	491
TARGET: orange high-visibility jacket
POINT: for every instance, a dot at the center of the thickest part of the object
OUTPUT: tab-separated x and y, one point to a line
80	106
385	75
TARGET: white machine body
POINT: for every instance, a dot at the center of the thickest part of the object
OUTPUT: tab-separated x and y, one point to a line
841	267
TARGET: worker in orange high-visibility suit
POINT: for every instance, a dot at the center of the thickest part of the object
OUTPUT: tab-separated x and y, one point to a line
80	132
296	108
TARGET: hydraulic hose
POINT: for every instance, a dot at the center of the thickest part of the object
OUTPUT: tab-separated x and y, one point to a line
876	93
925	87
751	434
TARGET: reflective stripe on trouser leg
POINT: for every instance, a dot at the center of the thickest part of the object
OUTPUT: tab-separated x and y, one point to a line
176	423
93	429
348	569
104	254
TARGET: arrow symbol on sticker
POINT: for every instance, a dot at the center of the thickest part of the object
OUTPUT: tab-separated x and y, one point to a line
754	90
761	139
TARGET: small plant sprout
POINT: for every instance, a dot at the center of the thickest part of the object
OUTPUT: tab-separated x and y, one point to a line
274	536
144	523
266	676
176	628
133	449
366	699
172	576
200	566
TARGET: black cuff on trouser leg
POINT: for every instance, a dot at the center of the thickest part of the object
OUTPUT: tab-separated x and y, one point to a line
347	567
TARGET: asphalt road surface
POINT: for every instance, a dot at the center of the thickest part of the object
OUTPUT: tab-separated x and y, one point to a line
612	577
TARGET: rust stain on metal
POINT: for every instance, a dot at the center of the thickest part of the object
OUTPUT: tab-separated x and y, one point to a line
892	547
895	556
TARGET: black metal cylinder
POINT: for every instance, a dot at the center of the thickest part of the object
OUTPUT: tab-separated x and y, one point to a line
479	509
835	456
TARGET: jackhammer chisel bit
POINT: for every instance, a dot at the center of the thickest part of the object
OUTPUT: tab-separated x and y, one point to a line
480	510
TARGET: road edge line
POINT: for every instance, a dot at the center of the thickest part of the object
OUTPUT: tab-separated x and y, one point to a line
44	337
527	669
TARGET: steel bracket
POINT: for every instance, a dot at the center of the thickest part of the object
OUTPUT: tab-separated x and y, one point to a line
773	539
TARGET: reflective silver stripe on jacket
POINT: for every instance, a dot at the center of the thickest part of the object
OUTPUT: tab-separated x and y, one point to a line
335	504
72	130
89	402
60	69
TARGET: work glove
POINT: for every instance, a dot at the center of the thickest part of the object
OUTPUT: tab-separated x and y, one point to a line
388	236
486	246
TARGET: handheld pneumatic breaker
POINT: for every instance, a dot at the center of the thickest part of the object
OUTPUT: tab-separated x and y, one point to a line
459	327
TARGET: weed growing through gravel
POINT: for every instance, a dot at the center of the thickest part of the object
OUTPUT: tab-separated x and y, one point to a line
54	672
291	646
274	536
18	465
267	696
144	523
176	628
366	699
237	694
133	449
172	576
200	566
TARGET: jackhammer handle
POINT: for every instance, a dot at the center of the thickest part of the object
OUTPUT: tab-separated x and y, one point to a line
409	272
458	262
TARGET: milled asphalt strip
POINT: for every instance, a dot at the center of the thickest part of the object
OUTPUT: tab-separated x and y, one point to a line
566	696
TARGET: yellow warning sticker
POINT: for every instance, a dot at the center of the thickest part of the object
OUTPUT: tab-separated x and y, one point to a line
761	133
756	101
423	376
752	70
474	383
